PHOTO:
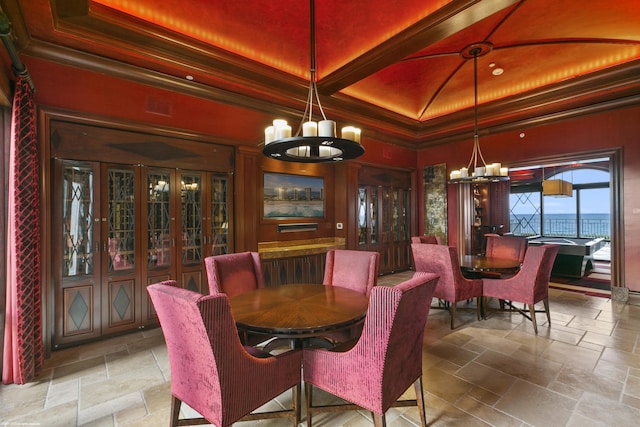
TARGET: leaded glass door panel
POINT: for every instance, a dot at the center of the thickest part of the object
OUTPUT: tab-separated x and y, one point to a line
383	219
158	220
368	235
191	230
158	231
76	260
120	290
218	235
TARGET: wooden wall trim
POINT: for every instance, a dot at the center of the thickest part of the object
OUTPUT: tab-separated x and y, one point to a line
529	111
71	140
87	137
353	184
246	197
5	129
46	269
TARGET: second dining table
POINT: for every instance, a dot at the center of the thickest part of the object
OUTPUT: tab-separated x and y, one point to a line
474	265
298	311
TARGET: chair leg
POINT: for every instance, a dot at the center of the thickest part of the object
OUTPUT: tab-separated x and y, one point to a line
296	405
308	402
379	420
452	311
546	308
532	311
417	385
175	410
479	309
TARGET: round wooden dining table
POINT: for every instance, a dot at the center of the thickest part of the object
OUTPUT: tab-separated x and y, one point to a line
298	311
476	264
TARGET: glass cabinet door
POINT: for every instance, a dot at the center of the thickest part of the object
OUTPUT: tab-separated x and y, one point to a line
363	213
77	221
368	231
386	216
191	217
76	262
383	224
121	290
120	228
159	247
219	232
121	219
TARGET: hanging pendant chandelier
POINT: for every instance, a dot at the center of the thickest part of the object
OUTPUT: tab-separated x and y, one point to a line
557	187
318	143
477	169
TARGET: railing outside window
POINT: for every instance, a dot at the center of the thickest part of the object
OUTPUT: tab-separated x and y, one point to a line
585	215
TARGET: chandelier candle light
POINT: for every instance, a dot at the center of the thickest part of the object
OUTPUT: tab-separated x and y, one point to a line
318	143
475	171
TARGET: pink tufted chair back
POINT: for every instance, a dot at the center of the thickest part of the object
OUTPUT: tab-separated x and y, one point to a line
432	240
511	247
444	261
355	270
234	274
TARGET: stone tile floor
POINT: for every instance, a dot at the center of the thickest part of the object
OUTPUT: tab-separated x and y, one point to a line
583	370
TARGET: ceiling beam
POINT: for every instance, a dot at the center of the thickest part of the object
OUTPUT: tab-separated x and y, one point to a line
452	18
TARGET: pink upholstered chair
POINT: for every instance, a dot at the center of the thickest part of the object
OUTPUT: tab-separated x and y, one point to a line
355	270
530	285
452	287
433	240
510	247
234	274
374	371
210	369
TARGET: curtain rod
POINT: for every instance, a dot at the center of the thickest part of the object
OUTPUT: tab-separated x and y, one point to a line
19	69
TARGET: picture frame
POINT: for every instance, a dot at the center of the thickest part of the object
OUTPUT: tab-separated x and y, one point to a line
289	196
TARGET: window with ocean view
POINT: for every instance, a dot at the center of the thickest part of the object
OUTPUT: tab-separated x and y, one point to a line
585	215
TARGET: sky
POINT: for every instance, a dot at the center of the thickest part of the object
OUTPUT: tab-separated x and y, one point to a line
276	180
592	201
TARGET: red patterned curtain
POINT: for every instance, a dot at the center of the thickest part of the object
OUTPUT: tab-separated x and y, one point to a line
23	347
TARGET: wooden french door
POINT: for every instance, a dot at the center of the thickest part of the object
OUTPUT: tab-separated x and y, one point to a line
384	218
77	264
123	227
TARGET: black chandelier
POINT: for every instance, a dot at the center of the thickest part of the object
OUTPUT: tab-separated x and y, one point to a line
318	143
476	171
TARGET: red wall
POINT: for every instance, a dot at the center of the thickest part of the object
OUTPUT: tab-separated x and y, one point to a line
101	95
595	132
97	94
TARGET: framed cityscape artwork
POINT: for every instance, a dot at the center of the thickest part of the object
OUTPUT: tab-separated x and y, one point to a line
293	196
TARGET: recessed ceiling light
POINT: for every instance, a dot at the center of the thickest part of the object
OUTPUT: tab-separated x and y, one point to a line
189	77
497	71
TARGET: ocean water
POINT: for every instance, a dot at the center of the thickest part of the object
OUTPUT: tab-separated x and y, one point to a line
591	225
293	209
